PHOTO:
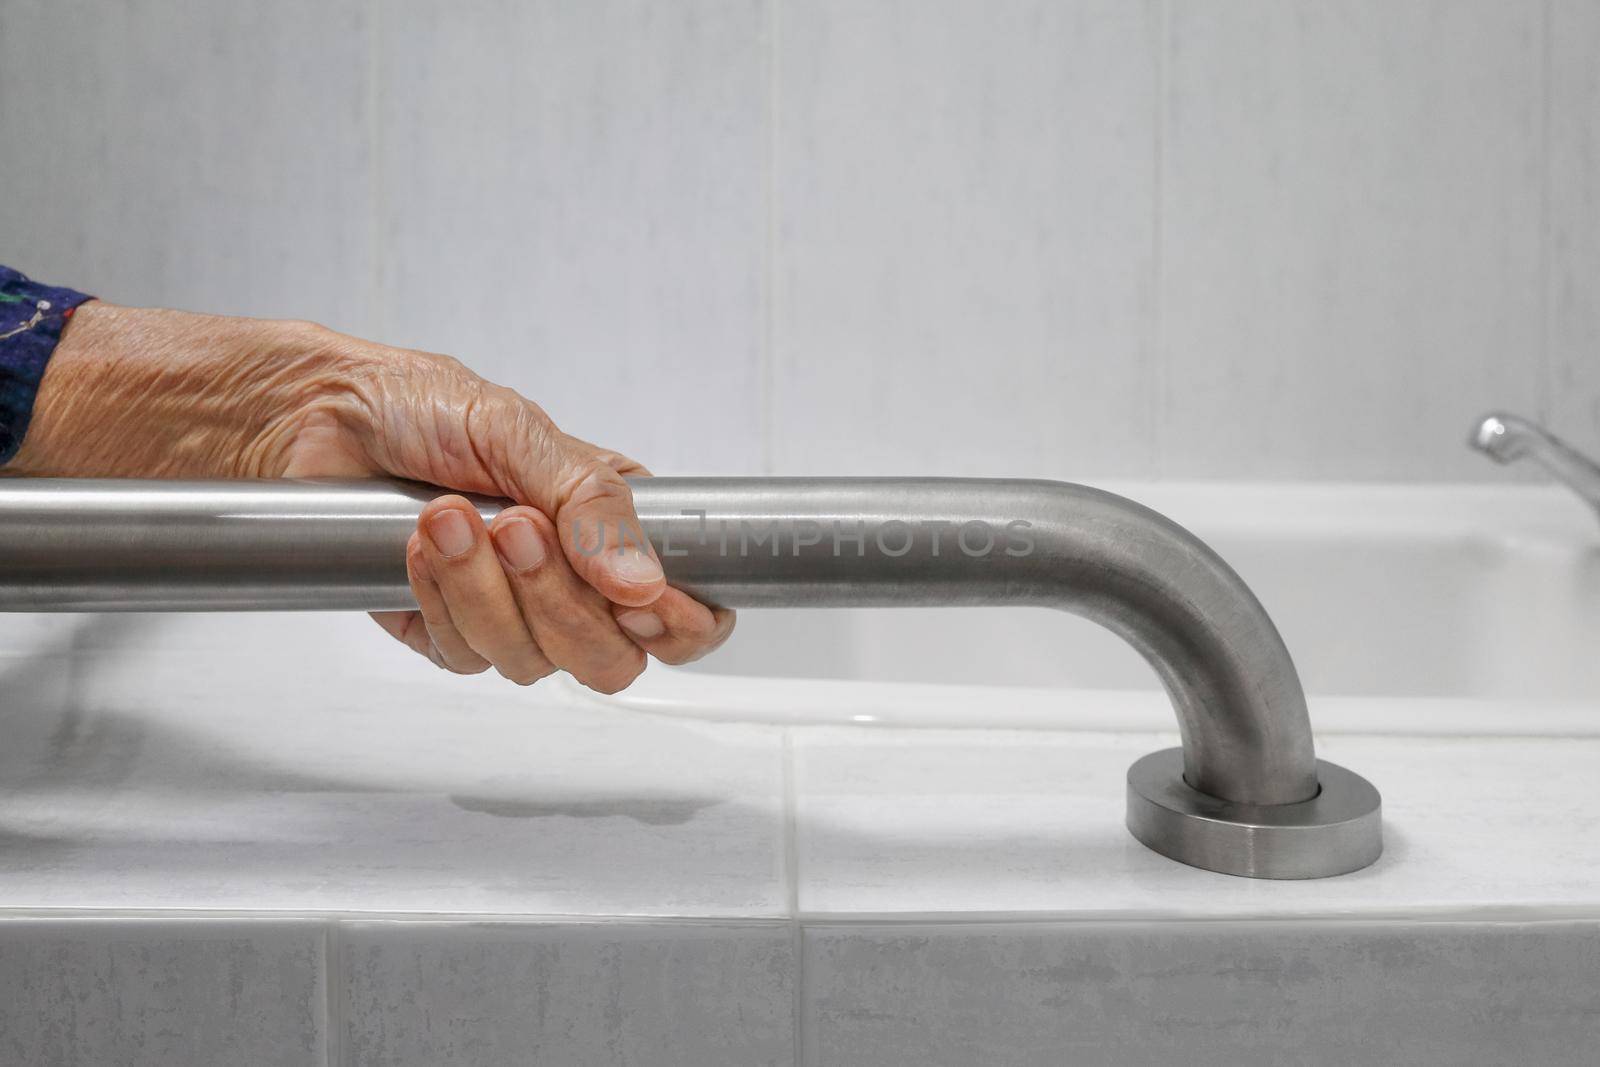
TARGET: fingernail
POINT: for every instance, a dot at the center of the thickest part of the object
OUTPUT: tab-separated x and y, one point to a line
643	624
450	531
419	567
520	544
634	566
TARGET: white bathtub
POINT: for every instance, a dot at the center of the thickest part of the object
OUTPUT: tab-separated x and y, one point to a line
1461	599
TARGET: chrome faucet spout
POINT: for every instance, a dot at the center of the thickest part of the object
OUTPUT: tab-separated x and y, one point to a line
1244	794
1507	438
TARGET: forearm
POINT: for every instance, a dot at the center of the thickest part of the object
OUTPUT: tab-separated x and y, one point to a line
139	392
145	393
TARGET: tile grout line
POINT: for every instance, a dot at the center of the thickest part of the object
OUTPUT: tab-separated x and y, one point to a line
333	993
332	926
375	324
769	255
791	848
1160	401
791	888
1468	915
397	918
801	1000
1546	177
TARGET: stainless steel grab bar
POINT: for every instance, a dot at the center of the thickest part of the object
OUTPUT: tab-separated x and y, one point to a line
1244	795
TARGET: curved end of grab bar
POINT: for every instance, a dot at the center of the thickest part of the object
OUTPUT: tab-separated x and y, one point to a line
1245	794
887	542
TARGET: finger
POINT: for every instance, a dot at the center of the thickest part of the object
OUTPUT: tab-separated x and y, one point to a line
601	535
677	628
448	648
459	558
568	618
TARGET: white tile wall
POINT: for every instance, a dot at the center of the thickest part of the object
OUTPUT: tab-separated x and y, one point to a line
1573	238
571	202
1351	234
1085	238
963	195
205	156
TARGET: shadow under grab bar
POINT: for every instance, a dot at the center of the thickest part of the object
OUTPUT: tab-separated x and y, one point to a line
1244	794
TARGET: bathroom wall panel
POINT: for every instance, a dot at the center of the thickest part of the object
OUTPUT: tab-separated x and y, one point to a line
963	248
195	155
1083	239
571	201
1352	235
1574	221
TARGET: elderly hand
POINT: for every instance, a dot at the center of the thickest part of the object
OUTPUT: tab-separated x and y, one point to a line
143	393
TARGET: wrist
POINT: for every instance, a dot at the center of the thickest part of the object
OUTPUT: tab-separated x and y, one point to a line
314	412
66	395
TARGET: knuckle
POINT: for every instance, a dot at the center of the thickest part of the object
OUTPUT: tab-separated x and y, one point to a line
618	462
524	673
617	675
527	418
593	479
456	439
311	333
414	633
438	363
676	655
722	631
454	368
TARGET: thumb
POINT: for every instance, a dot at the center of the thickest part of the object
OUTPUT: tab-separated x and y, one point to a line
603	539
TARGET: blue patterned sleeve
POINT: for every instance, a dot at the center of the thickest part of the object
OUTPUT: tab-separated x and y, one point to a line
32	317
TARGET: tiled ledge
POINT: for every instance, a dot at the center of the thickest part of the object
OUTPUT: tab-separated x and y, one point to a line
165	764
336	855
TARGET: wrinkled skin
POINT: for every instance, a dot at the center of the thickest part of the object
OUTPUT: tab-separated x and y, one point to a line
144	393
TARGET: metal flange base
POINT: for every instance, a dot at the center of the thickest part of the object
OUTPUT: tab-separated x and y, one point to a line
1335	832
